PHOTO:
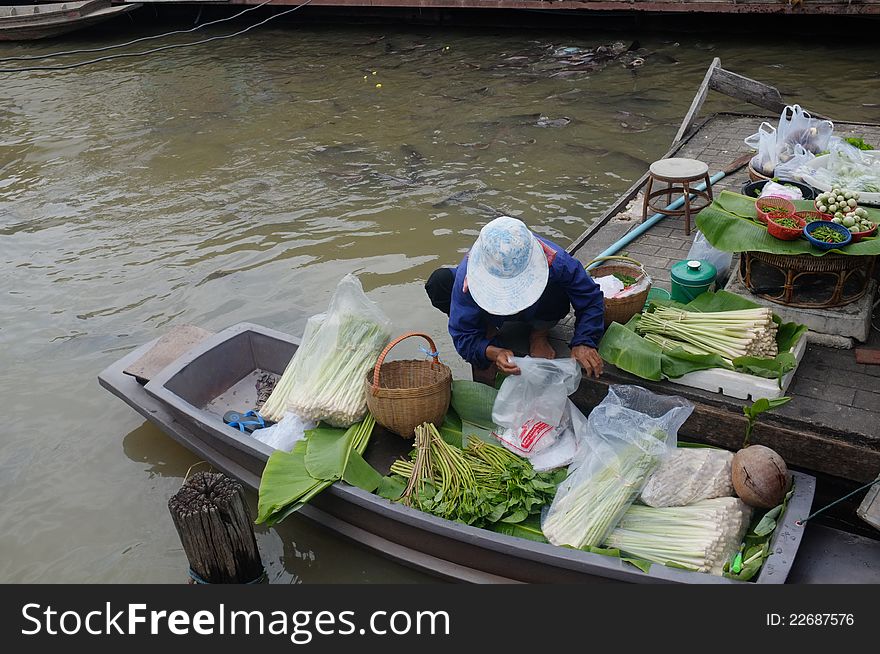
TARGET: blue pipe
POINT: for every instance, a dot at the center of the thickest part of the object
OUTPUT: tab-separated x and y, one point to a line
632	235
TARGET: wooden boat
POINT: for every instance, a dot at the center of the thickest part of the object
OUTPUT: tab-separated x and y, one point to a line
189	396
31	22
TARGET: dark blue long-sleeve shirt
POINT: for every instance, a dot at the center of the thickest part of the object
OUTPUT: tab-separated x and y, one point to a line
468	323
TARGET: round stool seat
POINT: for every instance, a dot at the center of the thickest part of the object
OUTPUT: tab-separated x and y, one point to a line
677	169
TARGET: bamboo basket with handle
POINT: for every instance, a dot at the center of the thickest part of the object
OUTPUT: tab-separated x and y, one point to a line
623	308
404	394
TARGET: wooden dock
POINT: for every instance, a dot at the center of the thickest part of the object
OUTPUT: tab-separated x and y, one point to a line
832	424
780	7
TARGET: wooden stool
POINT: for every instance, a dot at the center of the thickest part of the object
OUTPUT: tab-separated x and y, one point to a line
678	174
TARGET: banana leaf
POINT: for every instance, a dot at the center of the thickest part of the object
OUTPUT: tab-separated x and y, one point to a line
729	225
473	402
624	348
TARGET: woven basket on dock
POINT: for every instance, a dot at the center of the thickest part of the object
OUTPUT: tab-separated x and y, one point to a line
403	394
755	176
622	309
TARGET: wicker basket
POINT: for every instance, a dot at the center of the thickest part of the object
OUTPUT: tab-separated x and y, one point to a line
402	395
622	309
755	176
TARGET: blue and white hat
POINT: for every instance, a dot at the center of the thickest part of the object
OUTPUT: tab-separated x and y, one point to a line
507	268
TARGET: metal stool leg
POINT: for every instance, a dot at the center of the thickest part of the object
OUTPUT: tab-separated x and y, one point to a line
648	187
687	209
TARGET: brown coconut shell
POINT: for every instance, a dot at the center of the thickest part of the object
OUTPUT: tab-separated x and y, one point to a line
760	477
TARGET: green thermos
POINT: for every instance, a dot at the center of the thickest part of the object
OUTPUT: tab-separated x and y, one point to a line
691	278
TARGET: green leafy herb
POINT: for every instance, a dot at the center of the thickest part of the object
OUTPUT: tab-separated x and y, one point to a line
481	485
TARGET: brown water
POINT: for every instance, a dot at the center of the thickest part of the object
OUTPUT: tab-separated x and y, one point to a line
240	181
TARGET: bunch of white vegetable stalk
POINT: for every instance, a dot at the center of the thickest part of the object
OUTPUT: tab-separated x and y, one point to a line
325	378
729	334
700	537
599	492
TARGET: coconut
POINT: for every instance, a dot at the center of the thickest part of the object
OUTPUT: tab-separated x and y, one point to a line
760	477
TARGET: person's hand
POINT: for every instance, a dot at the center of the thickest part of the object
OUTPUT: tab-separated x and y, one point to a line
589	359
503	360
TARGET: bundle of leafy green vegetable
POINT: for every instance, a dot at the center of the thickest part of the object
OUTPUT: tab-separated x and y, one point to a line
324	456
480	485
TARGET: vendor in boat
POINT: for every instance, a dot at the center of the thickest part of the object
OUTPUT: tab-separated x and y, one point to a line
510	274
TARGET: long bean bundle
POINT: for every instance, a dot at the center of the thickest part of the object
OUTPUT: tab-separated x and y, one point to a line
479	485
700	536
729	334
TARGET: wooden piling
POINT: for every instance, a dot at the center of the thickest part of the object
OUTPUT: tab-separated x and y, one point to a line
216	529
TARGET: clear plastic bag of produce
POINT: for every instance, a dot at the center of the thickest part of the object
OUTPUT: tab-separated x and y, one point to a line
764	141
628	435
688	475
792	170
324	380
702	250
798	127
532	412
284	434
846	167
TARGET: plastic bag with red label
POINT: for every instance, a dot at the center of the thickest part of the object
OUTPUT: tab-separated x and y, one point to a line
533	414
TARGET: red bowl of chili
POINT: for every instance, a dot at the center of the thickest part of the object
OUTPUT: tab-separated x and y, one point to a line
773	207
786	228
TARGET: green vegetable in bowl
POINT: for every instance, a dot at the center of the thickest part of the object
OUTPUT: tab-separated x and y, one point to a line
827	234
785	221
627	280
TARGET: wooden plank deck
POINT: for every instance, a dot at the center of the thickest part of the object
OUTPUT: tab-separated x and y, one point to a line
832	424
820	7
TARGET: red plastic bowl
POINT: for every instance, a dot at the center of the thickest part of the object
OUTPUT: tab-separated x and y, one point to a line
762	204
858	236
786	233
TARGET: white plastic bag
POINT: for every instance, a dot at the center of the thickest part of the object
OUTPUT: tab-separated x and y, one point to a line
764	141
628	434
775	190
532	411
846	167
283	435
797	127
325	378
688	475
791	170
701	249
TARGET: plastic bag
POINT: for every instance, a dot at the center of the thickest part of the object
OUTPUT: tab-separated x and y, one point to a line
775	190
283	435
764	141
797	127
325	378
702	250
531	408
845	167
628	434
791	170
689	475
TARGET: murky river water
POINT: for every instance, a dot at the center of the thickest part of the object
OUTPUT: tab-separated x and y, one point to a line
240	181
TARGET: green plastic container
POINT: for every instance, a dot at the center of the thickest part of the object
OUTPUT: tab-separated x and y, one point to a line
691	278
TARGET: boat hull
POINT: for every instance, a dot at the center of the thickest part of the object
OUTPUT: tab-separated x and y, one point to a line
438	546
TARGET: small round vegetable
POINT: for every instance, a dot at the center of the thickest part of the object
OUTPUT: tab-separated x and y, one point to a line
848	195
848	222
832	207
862	212
823	208
840	198
836	220
760	477
852	203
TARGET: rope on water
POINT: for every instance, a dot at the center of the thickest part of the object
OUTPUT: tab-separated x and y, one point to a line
800	523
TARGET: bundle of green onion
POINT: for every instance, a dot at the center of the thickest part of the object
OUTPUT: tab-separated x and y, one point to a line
325	378
598	494
700	537
729	334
